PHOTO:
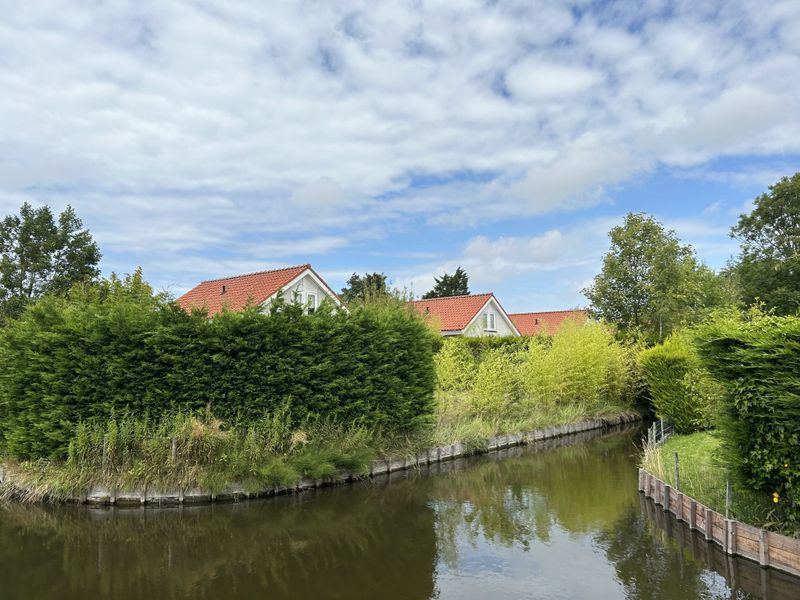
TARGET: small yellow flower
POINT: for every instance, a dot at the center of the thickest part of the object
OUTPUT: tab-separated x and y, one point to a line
776	497
785	464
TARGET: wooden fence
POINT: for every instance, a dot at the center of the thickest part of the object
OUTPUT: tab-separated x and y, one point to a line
767	548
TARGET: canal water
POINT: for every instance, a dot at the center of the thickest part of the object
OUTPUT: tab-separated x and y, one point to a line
560	520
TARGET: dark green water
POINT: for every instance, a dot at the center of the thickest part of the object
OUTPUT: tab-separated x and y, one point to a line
563	522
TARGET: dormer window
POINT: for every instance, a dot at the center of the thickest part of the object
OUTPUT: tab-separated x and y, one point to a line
489	321
311	302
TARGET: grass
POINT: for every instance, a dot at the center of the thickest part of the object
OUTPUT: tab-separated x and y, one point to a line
127	454
704	477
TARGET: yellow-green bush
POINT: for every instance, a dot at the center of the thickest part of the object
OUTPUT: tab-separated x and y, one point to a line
456	366
582	365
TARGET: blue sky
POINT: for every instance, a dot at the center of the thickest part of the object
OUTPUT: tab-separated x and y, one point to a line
200	139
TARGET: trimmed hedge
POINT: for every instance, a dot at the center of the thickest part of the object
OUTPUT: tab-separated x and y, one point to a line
757	358
117	348
680	389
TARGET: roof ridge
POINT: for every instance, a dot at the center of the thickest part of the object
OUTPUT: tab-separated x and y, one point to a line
451	297
306	265
545	312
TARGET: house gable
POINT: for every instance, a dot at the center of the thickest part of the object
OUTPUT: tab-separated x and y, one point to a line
461	315
256	289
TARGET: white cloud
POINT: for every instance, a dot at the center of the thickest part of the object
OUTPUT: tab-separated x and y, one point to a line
243	130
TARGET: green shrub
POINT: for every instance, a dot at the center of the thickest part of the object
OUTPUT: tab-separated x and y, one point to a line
680	389
756	357
117	348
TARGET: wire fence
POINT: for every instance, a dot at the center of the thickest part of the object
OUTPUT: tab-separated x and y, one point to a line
710	483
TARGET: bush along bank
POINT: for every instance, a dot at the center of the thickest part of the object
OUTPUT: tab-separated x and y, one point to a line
117	348
755	356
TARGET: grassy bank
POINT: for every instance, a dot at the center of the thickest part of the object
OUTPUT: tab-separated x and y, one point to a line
188	452
703	476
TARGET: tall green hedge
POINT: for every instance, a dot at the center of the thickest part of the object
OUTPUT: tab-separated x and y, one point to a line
680	389
757	358
117	348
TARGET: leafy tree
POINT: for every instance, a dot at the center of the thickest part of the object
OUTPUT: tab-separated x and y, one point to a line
362	289
39	255
456	284
650	283
769	265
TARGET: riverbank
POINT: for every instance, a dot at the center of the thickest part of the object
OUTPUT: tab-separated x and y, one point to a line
35	482
704	477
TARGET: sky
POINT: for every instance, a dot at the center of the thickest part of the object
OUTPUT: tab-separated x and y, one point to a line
205	139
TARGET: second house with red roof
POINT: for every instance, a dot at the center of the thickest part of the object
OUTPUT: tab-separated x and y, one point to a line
473	315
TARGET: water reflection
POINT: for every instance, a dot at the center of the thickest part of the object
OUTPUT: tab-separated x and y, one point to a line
545	522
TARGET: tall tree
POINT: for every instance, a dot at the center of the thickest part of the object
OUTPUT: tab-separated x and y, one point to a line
39	255
769	265
456	284
363	289
650	283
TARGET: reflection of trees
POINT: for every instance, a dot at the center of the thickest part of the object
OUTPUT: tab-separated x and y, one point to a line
349	542
648	569
579	488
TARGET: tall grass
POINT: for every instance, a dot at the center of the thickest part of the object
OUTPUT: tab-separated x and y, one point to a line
183	452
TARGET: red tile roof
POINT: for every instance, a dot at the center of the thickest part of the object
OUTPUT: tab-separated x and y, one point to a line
239	289
453	313
545	322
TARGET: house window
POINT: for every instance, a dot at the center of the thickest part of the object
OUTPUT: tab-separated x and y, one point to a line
311	302
489	324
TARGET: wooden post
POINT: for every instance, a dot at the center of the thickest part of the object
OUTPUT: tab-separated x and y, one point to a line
730	536
763	548
641	480
666	496
709	525
692	515
677	473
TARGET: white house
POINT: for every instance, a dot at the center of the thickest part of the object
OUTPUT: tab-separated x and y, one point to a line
298	284
473	315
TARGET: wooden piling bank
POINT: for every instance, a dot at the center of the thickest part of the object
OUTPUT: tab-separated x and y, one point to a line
767	548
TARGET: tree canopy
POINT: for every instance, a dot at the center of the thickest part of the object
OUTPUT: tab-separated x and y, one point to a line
362	289
456	284
650	283
769	265
41	255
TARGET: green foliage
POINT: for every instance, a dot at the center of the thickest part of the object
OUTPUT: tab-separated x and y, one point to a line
117	348
456	284
756	357
364	289
456	365
769	266
39	255
650	283
582	365
680	389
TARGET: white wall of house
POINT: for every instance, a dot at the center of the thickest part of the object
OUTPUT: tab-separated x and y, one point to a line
502	324
301	289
